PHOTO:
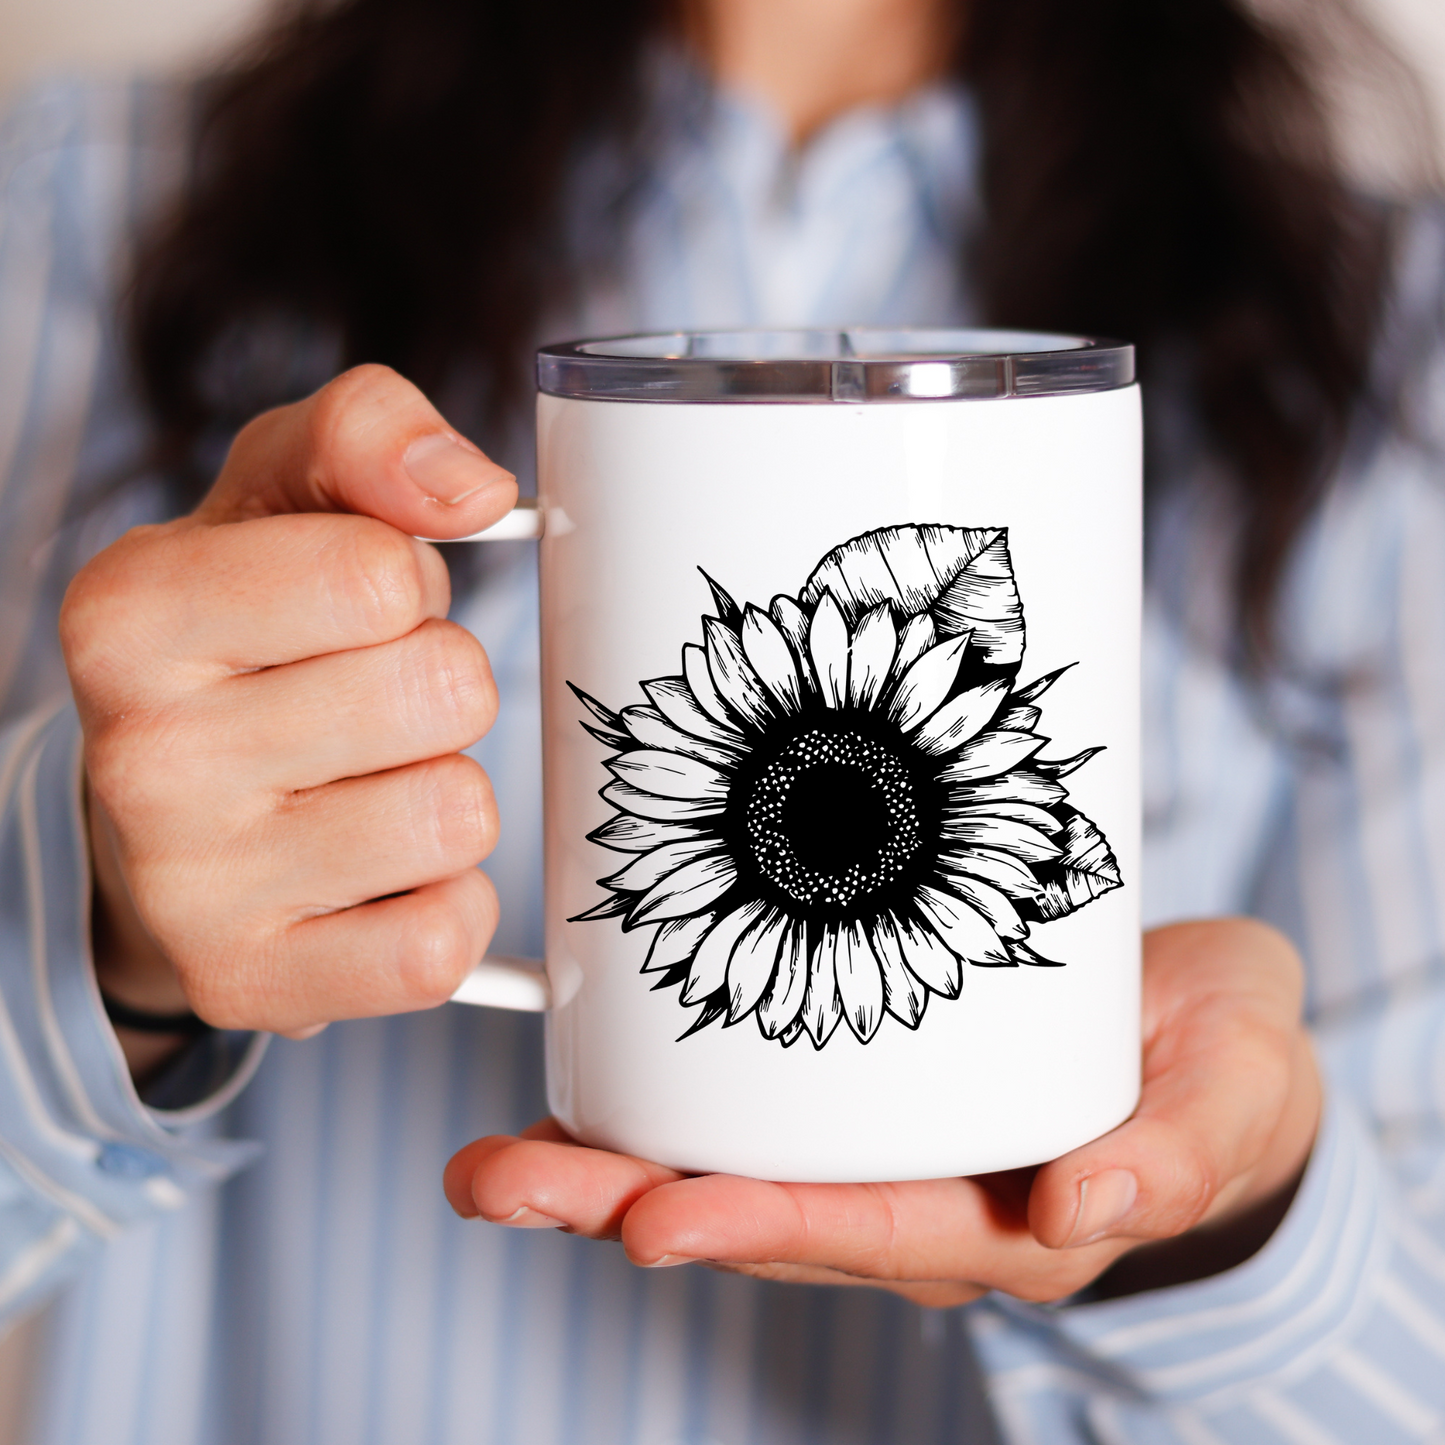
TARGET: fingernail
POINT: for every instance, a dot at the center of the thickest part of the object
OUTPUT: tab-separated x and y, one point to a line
1104	1201
525	1218
449	469
670	1259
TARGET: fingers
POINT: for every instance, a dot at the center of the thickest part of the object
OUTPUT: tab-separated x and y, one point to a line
662	1217
305	853
1229	1102
391	956
938	1242
457	1176
586	1190
384	833
728	1218
370	443
365	711
924	1230
224	600
263	917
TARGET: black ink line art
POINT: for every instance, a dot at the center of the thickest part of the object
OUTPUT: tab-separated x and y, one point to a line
840	802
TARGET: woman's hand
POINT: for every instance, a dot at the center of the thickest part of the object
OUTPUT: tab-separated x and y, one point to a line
274	705
1223	1129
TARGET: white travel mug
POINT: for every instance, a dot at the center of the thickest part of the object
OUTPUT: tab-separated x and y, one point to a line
840	667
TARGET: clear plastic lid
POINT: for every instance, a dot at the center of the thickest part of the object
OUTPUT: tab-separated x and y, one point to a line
854	364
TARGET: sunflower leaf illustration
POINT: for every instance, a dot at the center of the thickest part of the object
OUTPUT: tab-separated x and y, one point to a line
1083	871
839	805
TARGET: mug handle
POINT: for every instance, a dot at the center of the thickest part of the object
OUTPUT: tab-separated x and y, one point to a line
515	983
522	524
497	982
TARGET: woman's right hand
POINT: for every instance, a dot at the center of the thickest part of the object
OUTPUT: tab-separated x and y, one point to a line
274	706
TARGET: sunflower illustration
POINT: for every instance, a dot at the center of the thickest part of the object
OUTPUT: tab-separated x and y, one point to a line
840	801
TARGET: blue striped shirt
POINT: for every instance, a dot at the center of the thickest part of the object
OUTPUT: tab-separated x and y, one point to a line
260	1253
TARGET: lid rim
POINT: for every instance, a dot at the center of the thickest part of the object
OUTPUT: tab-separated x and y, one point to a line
832	368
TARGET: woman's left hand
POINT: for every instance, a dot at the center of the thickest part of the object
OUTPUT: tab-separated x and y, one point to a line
1208	1161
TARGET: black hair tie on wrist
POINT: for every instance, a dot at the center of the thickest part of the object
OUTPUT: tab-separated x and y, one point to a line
122	1015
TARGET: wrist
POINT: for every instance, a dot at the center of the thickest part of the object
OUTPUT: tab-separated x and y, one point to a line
131	970
130	966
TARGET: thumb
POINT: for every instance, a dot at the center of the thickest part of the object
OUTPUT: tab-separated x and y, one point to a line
370	443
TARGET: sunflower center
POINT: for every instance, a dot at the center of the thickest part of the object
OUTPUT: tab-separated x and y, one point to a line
832	819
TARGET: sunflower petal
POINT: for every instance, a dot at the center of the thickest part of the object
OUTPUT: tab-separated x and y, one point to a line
710	963
728	610
1040	685
915	639
674	699
793	624
674	977
613	906
604	715
982	831
669	775
960	719
628	799
1022	953
607	739
963	929
821	1011
752	963
648	727
871	655
703	689
1029	813
1002	870
626	834
828	647
991	753
694	887
993	905
928	682
737	683
1064	766
783	997
651	868
1021	786
791	1034
860	982
925	954
711	1011
905	995
676	941
1019	719
772	659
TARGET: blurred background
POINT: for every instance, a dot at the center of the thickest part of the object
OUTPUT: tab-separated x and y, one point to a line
42	36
